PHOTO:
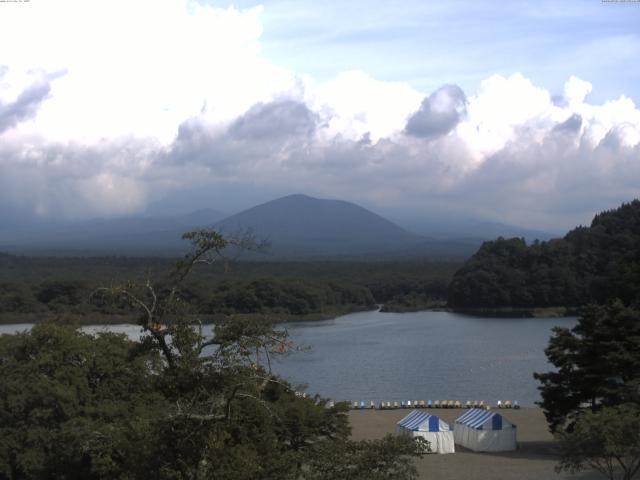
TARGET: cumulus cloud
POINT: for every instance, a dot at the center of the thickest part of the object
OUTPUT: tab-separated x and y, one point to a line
439	113
355	104
274	120
26	105
575	91
115	133
571	124
140	67
543	168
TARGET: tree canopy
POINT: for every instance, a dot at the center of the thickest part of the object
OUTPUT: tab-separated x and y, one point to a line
597	364
594	264
32	288
607	441
175	404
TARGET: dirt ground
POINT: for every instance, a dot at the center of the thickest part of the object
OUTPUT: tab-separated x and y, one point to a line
535	458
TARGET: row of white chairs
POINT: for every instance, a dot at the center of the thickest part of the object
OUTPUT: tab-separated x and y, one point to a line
384	405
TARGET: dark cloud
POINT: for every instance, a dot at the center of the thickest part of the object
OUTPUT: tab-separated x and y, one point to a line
277	119
280	130
614	139
26	105
439	113
74	180
551	184
572	124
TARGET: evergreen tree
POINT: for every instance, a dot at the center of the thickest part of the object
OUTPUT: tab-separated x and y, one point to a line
594	264
597	364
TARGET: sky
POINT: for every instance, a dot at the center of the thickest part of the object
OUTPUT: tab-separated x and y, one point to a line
521	112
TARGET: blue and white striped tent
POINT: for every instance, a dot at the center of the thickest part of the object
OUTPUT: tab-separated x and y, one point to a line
431	428
484	431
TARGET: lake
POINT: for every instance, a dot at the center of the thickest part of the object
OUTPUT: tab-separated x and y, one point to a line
413	356
423	355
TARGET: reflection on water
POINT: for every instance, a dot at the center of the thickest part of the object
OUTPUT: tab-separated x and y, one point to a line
410	356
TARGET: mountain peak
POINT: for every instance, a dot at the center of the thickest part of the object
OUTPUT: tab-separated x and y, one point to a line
296	196
299	222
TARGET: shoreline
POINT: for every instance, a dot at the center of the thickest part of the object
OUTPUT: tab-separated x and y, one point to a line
207	319
284	318
504	312
535	458
511	312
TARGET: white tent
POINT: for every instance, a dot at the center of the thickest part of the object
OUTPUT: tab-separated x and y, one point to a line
429	427
484	431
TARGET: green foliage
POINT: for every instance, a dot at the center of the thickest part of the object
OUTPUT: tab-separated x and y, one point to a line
597	364
366	460
607	441
36	287
17	298
294	297
594	264
412	291
73	405
174	405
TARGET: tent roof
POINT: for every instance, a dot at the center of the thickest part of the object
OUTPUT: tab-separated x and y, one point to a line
480	419
417	419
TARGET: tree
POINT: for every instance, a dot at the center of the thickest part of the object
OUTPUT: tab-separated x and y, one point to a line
366	460
74	405
607	441
597	364
594	264
176	404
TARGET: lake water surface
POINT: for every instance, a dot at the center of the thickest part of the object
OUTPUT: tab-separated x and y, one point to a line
420	356
413	356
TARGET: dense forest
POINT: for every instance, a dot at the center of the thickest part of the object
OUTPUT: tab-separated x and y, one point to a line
32	288
591	264
588	265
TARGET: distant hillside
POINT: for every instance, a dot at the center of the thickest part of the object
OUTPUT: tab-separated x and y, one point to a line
127	235
590	264
298	225
451	226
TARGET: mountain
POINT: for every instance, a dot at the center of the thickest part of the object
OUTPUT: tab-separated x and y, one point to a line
299	225
597	263
451	226
126	235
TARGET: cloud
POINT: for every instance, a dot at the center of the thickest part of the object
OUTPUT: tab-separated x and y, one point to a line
571	124
547	166
439	113
274	120
542	159
143	72
354	104
575	91
72	180
136	119
26	105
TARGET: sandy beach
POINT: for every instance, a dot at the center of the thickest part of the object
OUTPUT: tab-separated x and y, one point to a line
535	458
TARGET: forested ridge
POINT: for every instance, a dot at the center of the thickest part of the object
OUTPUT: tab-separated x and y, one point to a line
32	288
591	264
